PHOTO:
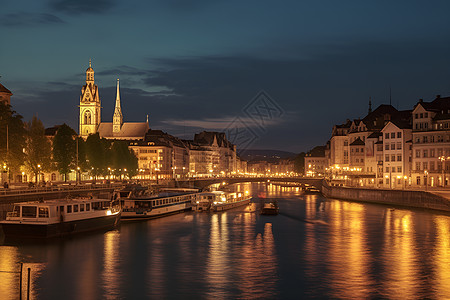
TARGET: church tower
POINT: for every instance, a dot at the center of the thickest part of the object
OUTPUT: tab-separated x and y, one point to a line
117	117
90	107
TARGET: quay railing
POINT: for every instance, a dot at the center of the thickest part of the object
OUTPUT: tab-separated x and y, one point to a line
57	188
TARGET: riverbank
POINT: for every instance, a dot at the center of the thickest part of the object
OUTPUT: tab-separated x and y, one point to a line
406	198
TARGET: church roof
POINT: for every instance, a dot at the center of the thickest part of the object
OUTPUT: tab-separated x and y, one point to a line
129	131
4	90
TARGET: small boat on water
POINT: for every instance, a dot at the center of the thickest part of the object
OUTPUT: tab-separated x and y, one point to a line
57	218
220	200
170	201
269	207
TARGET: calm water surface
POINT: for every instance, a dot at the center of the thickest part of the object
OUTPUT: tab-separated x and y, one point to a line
315	248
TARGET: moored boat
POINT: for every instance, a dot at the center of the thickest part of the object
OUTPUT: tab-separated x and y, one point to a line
220	200
160	205
57	218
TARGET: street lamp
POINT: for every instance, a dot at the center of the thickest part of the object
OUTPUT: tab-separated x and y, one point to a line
443	159
39	174
425	179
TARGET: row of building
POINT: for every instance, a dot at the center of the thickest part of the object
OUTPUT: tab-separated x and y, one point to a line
160	155
389	148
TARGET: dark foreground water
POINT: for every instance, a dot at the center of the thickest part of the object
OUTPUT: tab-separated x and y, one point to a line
316	248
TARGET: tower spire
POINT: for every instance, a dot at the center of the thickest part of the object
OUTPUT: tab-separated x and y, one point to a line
117	117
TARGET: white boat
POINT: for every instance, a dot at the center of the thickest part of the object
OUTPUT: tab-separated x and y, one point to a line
56	218
220	200
163	204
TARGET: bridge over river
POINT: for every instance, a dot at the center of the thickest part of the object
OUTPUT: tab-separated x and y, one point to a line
202	183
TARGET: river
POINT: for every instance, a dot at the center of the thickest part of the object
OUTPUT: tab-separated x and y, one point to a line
315	248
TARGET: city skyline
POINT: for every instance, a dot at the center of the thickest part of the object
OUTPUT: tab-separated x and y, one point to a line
194	66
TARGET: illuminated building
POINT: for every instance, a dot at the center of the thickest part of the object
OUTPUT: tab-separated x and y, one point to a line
397	146
90	115
431	142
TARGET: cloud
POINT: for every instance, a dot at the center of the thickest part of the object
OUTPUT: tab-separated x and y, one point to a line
24	19
76	7
219	123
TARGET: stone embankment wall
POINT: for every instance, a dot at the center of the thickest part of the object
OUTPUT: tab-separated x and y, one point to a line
417	199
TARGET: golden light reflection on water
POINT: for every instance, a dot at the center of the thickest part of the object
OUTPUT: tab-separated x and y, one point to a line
399	256
111	260
218	269
441	257
9	282
10	277
347	253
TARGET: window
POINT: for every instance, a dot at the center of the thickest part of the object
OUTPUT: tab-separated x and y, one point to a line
88	206
387	169
425	165
75	208
362	150
29	211
417	166
81	207
399	157
399	169
43	212
393	157
399	134
421	115
87	117
386	147
345	143
399	146
417	153
393	146
417	140
392	135
416	116
431	165
386	157
357	150
69	209
386	135
425	139
425	115
425	153
431	152
362	160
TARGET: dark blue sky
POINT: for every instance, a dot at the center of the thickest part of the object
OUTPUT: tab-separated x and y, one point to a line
194	65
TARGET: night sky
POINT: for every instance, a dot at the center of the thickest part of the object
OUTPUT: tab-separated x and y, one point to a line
196	65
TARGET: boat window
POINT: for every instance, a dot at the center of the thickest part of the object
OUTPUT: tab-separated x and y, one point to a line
61	208
81	207
69	209
75	208
29	211
88	206
43	212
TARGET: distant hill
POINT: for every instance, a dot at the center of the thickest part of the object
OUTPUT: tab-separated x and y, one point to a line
266	155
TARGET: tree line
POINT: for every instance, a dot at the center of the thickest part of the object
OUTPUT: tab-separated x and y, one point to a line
24	144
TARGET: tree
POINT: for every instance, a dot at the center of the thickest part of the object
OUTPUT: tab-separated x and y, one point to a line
124	161
38	148
96	154
12	138
64	150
